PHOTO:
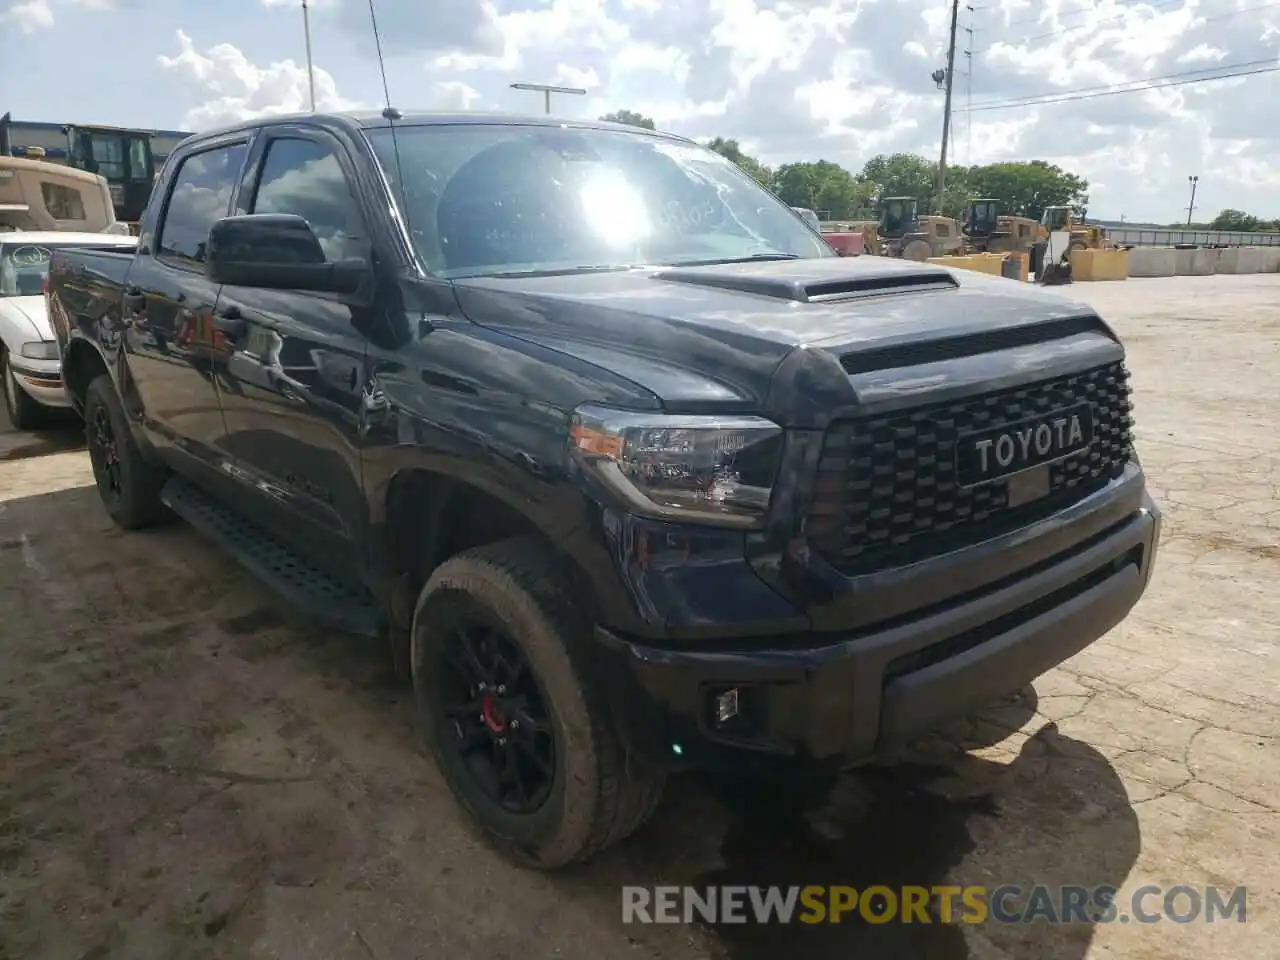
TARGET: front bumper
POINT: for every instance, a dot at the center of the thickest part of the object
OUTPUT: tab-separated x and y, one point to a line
41	380
837	700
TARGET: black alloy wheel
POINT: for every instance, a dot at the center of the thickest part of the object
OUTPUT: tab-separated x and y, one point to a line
491	703
104	454
127	483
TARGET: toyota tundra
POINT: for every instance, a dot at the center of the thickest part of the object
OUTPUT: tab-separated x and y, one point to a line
630	472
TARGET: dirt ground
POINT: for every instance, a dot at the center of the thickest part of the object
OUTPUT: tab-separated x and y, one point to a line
188	770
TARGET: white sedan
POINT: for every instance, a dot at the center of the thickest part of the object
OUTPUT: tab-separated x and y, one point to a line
30	368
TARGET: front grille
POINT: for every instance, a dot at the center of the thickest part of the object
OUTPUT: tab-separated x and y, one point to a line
886	492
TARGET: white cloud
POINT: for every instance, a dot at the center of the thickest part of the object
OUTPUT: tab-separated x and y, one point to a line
836	79
232	89
29	16
34	16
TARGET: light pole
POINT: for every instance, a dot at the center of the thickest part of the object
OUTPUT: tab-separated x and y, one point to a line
547	90
311	73
1192	206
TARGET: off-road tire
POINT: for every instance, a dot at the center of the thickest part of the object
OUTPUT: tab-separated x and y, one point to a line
137	503
599	794
917	250
25	413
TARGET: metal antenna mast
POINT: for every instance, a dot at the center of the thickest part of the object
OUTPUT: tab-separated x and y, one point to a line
946	115
311	72
547	89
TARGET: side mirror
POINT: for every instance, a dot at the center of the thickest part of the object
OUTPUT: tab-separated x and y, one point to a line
277	251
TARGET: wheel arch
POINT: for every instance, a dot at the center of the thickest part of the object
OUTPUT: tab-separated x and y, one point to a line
429	515
82	362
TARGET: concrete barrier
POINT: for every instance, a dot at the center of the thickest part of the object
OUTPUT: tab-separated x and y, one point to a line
1153	262
988	263
1090	265
1270	259
1240	260
1196	263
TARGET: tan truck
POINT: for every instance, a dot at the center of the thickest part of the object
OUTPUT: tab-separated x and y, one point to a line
36	195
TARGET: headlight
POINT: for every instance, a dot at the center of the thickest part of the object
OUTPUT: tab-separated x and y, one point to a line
699	469
40	350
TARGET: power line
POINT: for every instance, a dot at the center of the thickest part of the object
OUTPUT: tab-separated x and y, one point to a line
1018	41
1152	4
1151	83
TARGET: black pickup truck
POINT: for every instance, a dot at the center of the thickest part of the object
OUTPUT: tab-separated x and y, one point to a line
628	469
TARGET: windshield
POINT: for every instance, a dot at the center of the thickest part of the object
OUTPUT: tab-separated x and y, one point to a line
23	266
1055	218
484	199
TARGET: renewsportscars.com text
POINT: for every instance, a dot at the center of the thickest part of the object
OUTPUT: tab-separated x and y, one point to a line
936	904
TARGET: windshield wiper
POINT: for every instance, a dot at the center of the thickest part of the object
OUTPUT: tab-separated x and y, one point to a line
753	258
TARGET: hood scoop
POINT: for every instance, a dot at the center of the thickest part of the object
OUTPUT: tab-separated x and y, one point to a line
815	281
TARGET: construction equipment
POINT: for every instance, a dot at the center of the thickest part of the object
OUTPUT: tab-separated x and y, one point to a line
1058	219
35	195
903	233
121	155
987	230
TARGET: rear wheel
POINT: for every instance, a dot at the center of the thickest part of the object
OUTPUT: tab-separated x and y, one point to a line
24	412
128	484
526	744
918	250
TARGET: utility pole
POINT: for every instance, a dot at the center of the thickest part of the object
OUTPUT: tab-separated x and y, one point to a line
547	90
1191	208
968	89
946	109
311	73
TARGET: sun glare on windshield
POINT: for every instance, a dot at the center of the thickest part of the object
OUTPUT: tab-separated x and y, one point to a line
614	210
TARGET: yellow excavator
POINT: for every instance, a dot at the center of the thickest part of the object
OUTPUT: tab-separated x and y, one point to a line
1082	236
902	232
987	230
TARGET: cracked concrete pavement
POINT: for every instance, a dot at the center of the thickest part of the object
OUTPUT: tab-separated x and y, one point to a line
189	770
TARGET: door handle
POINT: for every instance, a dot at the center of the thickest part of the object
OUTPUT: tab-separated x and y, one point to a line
230	323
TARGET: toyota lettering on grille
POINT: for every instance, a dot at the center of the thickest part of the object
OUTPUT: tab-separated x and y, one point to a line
999	452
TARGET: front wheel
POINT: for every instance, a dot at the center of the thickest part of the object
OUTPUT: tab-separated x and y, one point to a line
525	742
24	412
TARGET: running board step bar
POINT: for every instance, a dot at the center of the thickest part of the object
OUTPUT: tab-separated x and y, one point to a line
303	585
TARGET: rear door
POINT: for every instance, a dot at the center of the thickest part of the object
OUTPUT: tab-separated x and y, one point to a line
173	351
293	384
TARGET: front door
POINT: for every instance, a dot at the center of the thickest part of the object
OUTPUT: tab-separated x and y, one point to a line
172	353
293	385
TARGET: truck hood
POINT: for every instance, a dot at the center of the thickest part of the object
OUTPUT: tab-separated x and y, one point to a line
32	310
720	333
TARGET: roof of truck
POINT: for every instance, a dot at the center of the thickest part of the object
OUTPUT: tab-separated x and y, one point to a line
47	167
372	119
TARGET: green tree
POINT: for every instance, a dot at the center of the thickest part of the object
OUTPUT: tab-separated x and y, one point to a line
823	186
901	175
731	150
1026	188
1237	220
631	118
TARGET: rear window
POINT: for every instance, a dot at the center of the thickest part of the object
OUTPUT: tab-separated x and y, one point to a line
200	196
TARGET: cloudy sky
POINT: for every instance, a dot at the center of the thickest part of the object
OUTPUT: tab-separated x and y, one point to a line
790	79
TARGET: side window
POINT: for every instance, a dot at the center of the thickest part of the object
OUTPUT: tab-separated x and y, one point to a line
304	178
200	196
61	201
